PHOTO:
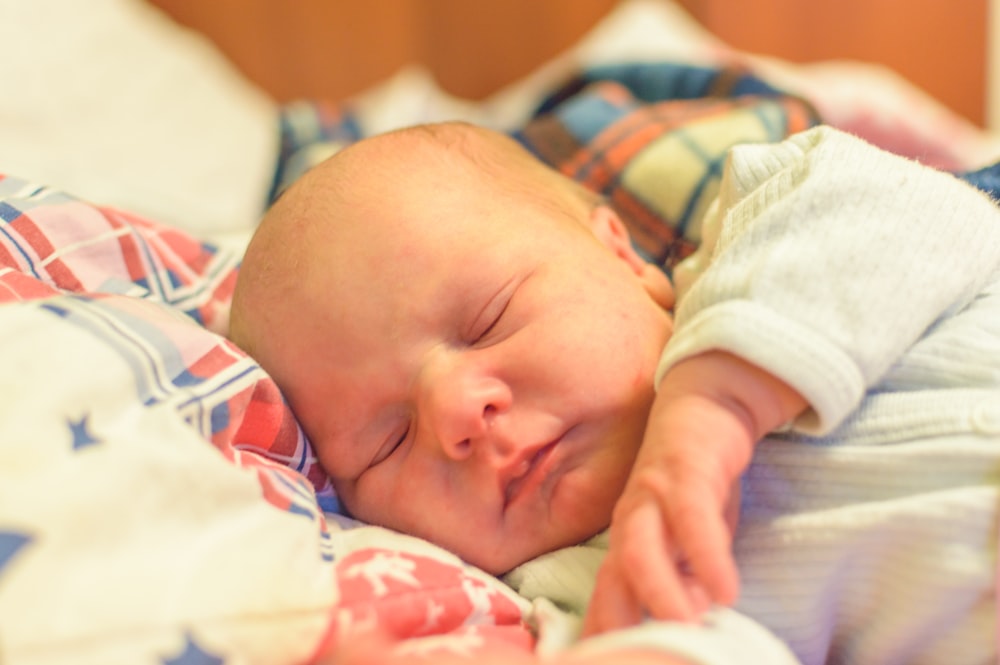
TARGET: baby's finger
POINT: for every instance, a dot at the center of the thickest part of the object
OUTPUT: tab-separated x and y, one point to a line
646	553
612	605
699	598
701	532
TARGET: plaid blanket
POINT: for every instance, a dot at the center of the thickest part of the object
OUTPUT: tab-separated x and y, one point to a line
158	500
652	139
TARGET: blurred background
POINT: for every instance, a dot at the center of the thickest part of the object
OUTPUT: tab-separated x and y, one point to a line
178	109
331	49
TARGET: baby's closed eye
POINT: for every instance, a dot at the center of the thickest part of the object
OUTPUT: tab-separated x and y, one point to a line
392	443
491	315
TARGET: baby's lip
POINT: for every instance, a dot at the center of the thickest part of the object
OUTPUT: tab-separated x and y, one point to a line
527	471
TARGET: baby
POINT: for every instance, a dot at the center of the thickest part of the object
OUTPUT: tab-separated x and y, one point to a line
481	359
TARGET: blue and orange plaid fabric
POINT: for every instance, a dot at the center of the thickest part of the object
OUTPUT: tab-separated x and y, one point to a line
652	139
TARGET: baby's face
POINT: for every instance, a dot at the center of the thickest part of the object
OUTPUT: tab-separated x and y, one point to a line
471	369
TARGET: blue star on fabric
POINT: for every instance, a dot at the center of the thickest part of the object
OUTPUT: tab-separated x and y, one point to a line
80	429
11	543
193	655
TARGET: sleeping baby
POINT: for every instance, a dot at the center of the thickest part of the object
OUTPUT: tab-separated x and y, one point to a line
481	359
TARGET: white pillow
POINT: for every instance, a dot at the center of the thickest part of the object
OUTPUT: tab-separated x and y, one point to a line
114	102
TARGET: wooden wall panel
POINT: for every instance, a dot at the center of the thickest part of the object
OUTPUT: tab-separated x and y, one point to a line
475	47
939	45
335	48
306	48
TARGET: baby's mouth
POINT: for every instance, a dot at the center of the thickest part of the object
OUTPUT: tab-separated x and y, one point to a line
528	473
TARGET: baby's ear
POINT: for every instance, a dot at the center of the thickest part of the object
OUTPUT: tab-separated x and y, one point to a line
612	232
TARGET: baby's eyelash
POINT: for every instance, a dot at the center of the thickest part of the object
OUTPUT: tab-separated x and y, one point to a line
386	453
494	310
493	323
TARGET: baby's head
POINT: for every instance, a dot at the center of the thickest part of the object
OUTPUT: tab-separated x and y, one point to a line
466	336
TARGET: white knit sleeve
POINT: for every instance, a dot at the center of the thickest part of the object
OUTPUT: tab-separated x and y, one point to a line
724	637
833	258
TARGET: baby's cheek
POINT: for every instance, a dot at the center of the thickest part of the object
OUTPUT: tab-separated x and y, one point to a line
402	499
367	498
584	501
348	499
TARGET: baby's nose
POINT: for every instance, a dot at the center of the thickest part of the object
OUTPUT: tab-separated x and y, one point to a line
458	401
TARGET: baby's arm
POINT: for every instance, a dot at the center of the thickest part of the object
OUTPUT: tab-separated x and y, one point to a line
670	551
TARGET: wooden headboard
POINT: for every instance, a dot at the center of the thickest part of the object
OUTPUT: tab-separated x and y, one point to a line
334	48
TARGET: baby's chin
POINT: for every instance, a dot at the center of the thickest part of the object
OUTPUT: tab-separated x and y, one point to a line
499	563
564	530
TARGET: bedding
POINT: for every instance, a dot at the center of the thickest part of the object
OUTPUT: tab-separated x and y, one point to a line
109	100
159	503
158	500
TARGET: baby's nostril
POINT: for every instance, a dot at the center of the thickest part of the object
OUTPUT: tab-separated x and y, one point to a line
463	446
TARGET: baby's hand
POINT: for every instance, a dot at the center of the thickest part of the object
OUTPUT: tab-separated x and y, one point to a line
670	553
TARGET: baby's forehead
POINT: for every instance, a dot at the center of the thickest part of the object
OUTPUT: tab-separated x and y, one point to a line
407	195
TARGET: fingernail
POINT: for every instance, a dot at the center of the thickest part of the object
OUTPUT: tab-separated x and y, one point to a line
700	600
